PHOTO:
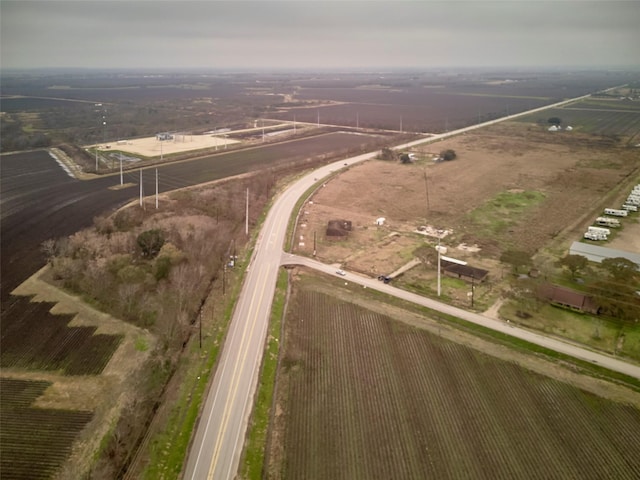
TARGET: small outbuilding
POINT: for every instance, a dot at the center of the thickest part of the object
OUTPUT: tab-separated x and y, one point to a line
566	298
463	272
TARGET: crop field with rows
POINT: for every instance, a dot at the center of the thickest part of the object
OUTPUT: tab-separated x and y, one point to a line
597	116
368	397
35	441
51	343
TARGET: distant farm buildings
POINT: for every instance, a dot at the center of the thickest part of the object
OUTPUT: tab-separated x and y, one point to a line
164	136
557	128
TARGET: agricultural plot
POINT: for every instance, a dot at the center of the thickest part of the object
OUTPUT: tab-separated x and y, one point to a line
35	441
597	116
51	344
414	110
365	396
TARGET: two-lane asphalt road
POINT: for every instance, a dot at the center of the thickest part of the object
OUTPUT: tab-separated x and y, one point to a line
218	440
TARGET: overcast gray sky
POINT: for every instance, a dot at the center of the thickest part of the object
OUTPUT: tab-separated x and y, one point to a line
318	34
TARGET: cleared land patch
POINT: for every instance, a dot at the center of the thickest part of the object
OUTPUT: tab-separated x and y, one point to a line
513	185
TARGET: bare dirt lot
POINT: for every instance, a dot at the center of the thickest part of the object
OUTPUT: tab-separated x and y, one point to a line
152	147
574	176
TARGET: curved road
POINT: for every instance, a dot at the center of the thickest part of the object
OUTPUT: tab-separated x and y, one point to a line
220	433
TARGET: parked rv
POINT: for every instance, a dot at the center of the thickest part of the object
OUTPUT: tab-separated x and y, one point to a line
594	236
608	222
615	212
600	230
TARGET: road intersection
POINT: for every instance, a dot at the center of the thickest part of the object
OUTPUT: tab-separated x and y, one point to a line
219	437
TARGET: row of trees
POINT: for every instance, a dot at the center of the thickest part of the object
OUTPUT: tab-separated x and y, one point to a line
154	269
15	136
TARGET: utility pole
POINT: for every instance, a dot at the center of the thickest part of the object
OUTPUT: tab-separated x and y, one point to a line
96	159
224	277
472	289
141	187
438	248
156	188
200	322
426	189
314	244
246	215
121	179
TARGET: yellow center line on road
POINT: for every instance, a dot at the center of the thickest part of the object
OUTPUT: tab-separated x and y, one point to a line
252	315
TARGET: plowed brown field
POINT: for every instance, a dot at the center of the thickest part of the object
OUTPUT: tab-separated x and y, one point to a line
369	397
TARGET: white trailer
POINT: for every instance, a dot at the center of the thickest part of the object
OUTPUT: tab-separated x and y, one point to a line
601	230
615	212
594	236
633	201
630	208
608	222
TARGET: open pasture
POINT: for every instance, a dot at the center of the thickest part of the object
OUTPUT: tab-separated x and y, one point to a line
566	174
367	396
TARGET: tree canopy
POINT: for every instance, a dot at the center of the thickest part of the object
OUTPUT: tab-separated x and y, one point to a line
574	263
388	154
150	242
448	155
555	121
516	258
620	269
